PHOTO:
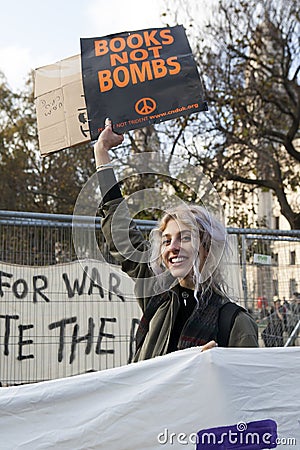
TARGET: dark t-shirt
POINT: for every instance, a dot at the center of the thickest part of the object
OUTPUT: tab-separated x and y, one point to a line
187	305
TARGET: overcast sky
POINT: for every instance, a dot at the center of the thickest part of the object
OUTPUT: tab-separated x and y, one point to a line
34	33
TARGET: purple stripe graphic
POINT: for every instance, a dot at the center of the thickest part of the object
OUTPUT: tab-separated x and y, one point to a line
258	435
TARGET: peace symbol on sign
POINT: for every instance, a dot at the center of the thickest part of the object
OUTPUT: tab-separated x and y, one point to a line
145	106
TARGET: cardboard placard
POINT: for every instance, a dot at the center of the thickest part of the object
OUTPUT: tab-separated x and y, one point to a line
139	78
60	105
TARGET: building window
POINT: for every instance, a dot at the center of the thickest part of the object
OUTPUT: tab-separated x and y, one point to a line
275	259
292	258
293	286
277	220
275	287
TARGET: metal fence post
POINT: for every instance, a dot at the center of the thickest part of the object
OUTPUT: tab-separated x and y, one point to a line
244	270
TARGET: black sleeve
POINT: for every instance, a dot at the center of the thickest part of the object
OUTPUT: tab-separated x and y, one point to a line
109	186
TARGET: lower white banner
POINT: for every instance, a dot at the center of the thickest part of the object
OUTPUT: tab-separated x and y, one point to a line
219	399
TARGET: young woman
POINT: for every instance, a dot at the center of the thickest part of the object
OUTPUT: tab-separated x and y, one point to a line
179	285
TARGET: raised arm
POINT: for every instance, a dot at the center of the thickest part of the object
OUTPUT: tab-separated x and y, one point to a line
107	140
126	243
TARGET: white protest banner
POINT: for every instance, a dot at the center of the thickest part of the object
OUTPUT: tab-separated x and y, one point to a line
246	399
64	319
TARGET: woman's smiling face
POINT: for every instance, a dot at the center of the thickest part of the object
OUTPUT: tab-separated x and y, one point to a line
178	253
